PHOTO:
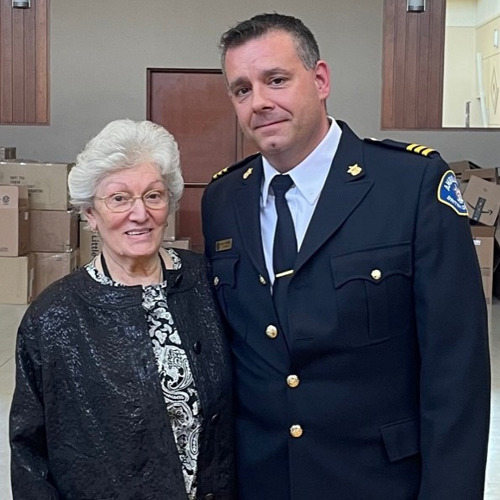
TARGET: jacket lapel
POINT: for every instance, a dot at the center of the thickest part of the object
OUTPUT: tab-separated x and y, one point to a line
246	200
344	189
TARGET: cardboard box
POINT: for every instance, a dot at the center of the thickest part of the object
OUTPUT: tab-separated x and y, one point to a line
484	241
53	231
460	166
8	153
50	267
171	232
482	199
488	174
17	276
184	243
14	221
90	244
47	182
14	232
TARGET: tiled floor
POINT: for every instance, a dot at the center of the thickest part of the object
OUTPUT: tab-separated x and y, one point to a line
11	315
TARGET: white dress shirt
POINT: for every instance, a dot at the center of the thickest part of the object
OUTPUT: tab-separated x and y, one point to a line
309	177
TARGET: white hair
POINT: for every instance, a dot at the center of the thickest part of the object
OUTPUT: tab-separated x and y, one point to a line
125	144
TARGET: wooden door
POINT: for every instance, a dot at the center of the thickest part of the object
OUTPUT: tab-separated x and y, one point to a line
413	66
193	105
24	63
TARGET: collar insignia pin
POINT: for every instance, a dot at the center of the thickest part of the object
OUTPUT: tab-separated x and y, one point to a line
354	170
248	173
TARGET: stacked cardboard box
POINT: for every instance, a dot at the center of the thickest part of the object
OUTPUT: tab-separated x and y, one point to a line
42	239
14	221
54	243
481	194
52	229
51	266
16	267
171	238
47	182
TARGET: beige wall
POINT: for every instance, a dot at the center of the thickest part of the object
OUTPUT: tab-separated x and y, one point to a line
100	51
460	78
461	13
487	9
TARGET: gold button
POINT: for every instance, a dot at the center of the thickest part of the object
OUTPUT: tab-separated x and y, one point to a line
296	431
216	280
376	274
262	280
293	381
271	331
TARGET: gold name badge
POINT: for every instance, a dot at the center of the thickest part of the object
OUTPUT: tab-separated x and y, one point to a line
222	245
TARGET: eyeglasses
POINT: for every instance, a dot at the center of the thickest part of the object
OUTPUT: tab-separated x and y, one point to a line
123	202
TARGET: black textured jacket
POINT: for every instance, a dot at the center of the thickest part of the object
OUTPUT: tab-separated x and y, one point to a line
88	419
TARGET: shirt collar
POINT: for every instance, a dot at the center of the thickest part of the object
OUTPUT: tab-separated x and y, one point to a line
308	176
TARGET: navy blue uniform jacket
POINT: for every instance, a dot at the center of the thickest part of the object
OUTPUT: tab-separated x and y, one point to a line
393	365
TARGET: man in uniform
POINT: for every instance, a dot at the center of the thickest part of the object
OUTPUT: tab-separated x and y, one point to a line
348	277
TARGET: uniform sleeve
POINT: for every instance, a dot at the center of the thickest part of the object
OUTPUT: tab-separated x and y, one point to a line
453	341
29	456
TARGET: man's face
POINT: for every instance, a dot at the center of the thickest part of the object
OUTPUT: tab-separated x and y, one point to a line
279	103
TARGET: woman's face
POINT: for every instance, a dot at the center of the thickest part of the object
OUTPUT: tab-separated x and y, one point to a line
137	233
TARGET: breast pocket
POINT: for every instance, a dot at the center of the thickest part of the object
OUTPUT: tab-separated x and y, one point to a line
373	293
224	280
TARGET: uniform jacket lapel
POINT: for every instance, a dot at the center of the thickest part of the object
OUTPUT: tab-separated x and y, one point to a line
247	204
341	194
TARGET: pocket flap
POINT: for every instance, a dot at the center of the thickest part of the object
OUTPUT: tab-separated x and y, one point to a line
372	264
401	439
224	270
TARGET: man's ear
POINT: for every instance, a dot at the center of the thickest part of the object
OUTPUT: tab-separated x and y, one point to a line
322	79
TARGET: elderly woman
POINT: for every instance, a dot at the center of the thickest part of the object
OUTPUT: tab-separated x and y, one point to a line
123	379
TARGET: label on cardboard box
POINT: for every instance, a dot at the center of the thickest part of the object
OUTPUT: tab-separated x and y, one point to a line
483	200
13	196
478	209
90	244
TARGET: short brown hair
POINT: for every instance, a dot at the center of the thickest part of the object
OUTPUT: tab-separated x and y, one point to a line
262	24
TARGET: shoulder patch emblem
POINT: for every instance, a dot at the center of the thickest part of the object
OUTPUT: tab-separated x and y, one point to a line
449	193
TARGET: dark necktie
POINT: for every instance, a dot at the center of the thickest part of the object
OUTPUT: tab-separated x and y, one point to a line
285	244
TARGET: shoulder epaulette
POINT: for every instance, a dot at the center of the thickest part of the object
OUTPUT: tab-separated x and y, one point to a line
405	146
233	167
